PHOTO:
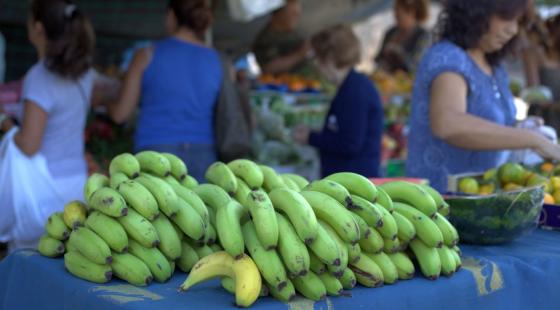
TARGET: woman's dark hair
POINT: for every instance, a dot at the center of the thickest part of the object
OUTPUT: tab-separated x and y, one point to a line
70	37
464	22
338	43
553	26
193	14
420	8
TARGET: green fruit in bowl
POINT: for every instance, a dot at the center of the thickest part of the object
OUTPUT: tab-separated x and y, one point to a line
511	173
468	186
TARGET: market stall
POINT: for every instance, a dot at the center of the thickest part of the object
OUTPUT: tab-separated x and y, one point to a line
520	275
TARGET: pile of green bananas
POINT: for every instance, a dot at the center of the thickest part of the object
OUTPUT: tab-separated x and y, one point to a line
260	232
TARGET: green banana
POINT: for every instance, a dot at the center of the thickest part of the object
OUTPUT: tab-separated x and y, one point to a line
300	181
445	210
271	180
189	182
315	264
212	216
426	229
367	272
384	200
178	230
331	283
139	198
354	252
172	266
310	286
163	193
391	245
406	230
228	225
170	242
428	259
109	229
356	184
91	245
448	264
372	242
457	250
131	269
154	163
140	229
411	194
405	267
83	268
449	233
70	246
367	211
348	279
188	257
153	259
390	272
210	235
202	250
247	171
108	201
298	210
436	196
362	225
289	183
212	195
50	247
268	262
125	163
457	259
189	221
333	189
287	294
243	191
336	270
56	228
263	215
219	174
325	247
292	250
191	198
93	183
116	179
389	230
336	215
178	168
216	247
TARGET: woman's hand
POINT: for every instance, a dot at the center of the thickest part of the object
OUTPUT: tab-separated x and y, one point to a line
548	150
301	134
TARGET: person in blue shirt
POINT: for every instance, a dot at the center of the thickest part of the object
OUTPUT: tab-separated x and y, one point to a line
176	82
463	115
351	137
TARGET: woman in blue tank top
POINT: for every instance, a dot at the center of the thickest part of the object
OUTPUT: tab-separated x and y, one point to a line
462	110
176	83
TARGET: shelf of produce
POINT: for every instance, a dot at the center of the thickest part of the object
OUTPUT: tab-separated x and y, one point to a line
493	277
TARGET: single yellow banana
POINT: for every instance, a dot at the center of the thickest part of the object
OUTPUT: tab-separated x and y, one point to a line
75	213
243	271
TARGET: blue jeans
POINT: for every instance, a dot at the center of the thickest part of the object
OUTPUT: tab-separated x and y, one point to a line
197	157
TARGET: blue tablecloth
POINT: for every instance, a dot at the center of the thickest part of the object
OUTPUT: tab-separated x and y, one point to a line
522	275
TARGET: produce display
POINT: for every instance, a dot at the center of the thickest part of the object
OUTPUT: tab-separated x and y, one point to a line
260	232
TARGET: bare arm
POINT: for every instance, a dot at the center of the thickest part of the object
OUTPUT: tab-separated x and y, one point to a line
131	87
105	90
28	138
286	63
451	122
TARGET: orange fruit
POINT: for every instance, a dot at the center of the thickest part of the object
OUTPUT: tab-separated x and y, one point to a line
511	173
549	199
486	189
547	167
556	196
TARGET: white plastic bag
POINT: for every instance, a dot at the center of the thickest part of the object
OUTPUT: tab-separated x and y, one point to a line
28	194
247	10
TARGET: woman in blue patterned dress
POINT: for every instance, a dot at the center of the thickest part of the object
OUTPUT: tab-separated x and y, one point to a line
462	113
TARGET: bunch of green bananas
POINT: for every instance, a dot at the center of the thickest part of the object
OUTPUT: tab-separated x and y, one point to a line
259	231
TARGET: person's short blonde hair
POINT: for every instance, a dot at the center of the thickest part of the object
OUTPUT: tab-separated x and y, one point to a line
339	44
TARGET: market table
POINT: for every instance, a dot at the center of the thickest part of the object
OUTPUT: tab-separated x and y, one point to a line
524	274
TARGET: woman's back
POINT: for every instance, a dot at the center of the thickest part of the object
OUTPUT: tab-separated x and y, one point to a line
488	97
179	90
66	102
